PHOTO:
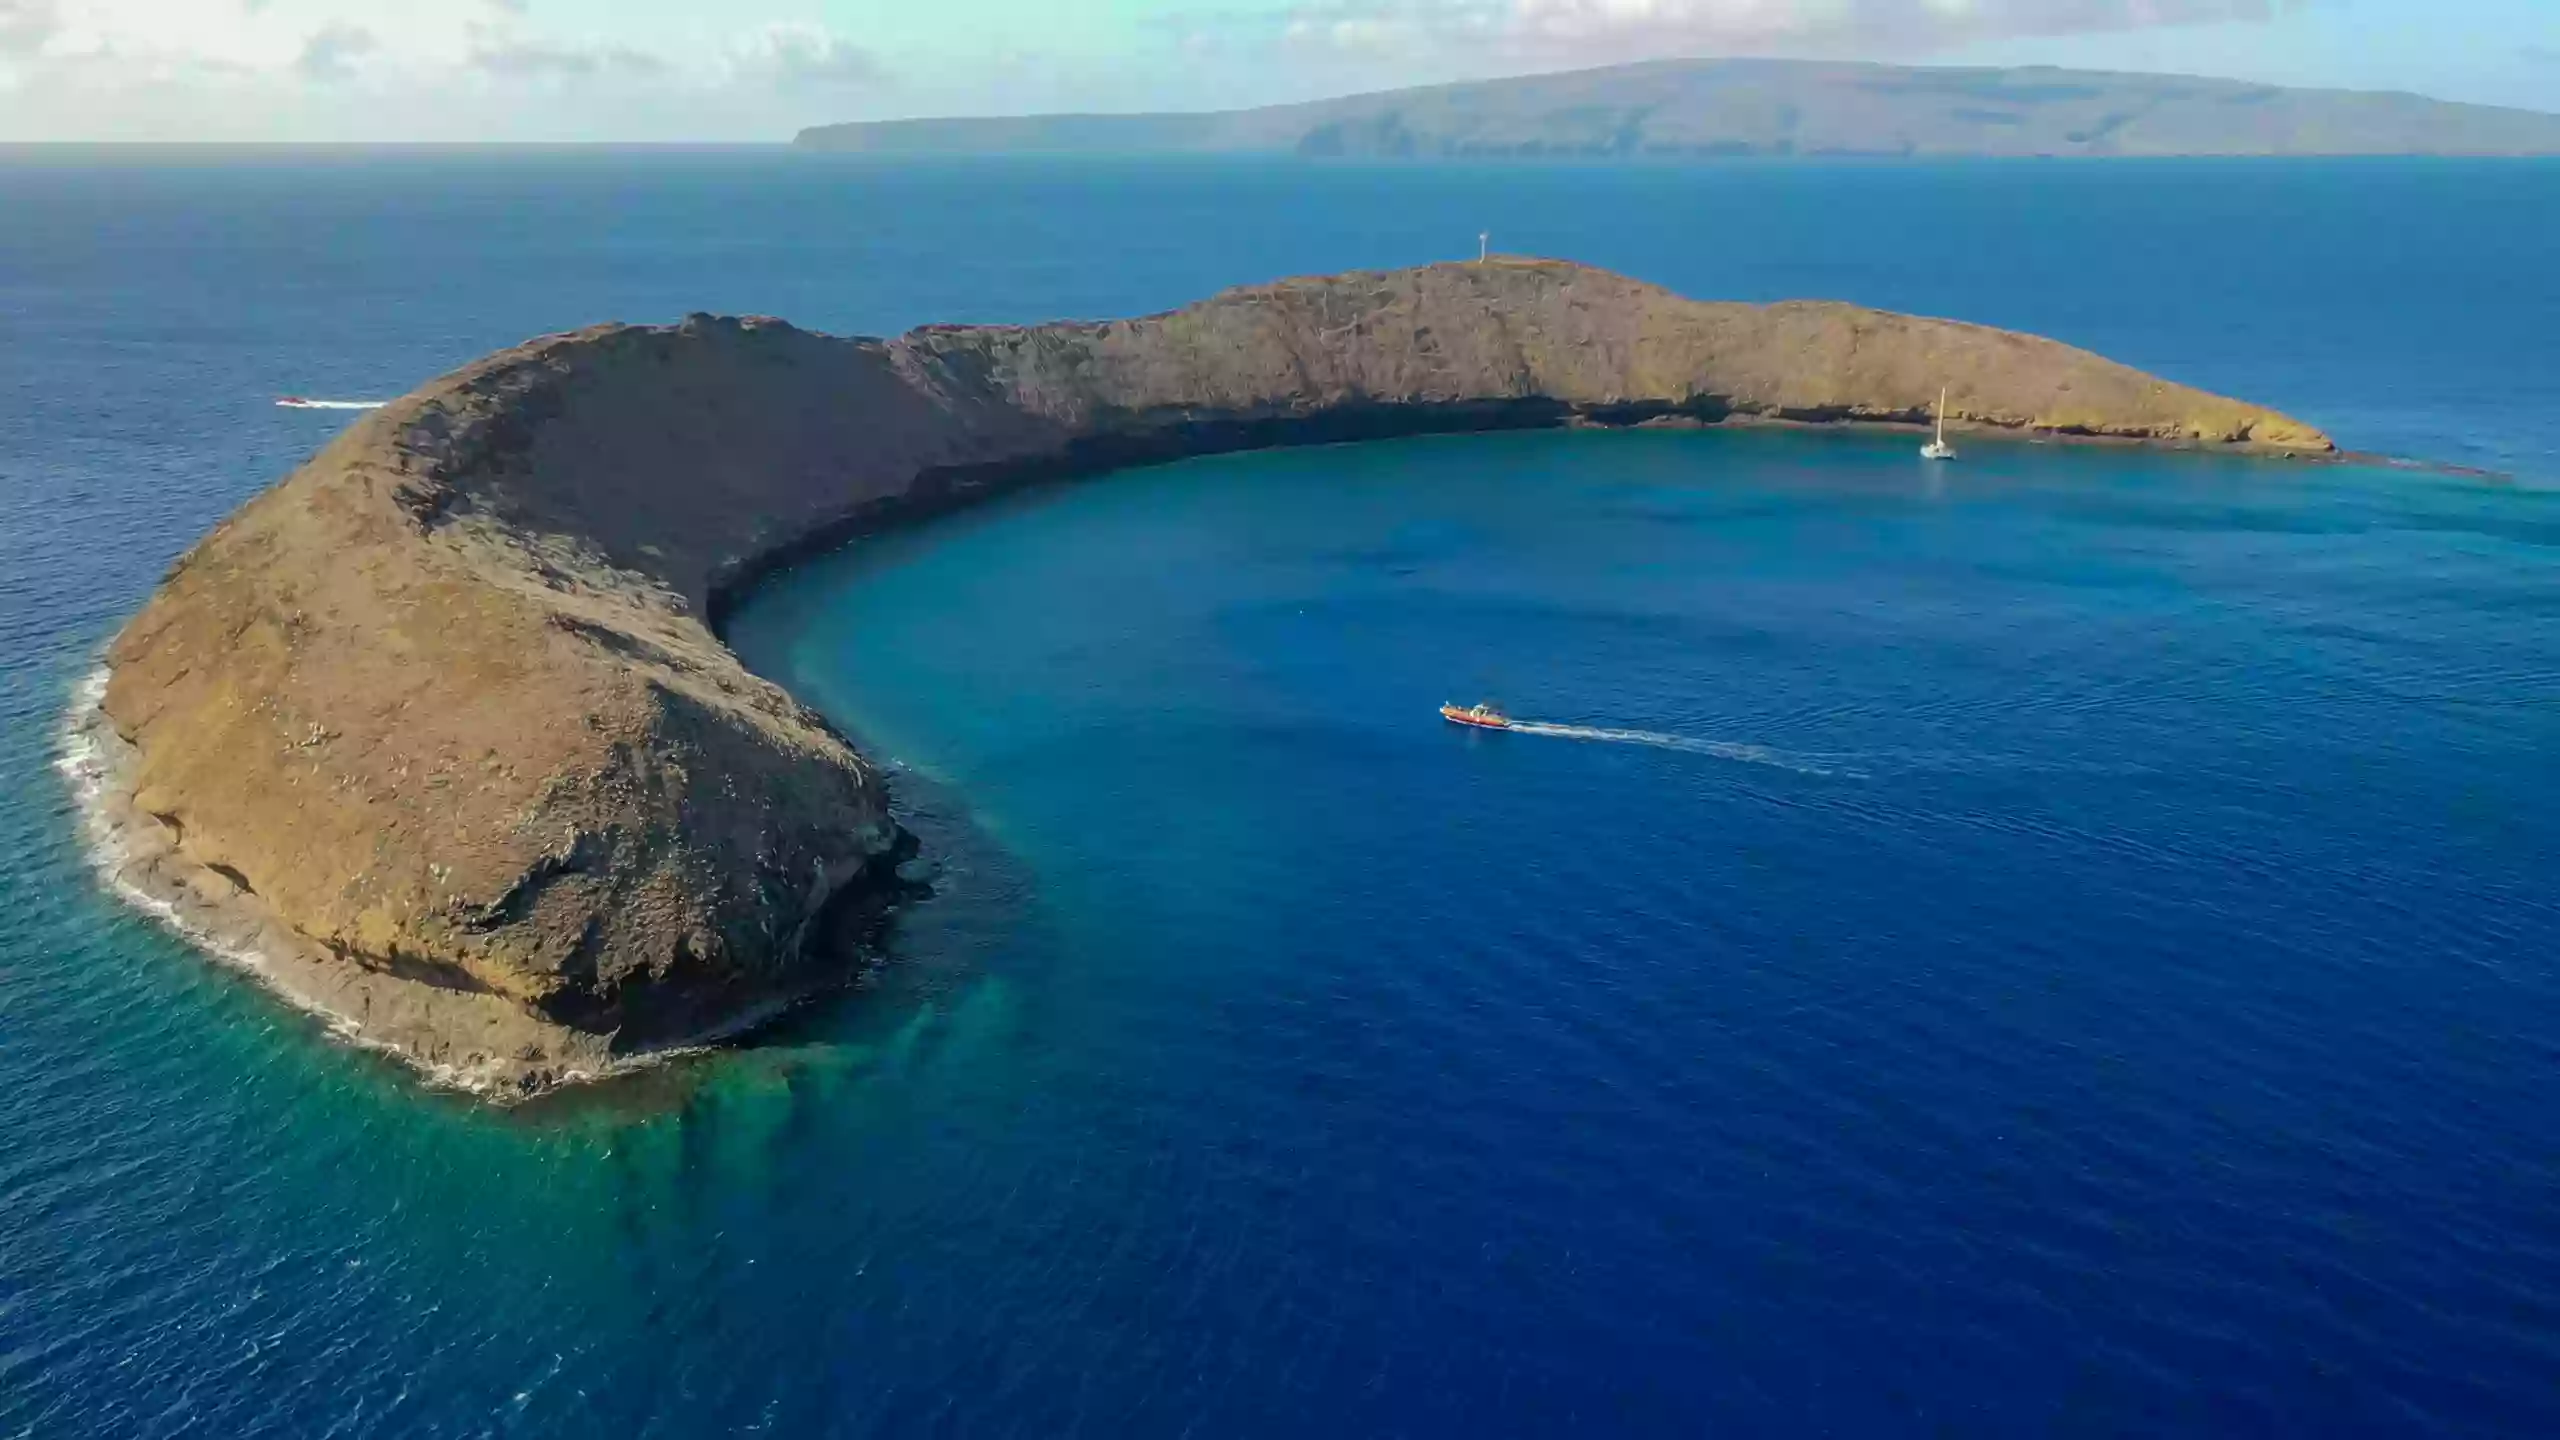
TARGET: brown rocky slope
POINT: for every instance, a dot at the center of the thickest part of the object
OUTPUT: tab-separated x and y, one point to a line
439	733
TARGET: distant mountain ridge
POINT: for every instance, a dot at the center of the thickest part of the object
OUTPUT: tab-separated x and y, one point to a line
1688	108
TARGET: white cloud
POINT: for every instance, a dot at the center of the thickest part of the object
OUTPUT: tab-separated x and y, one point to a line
513	57
339	69
1550	33
332	52
286	39
26	24
804	55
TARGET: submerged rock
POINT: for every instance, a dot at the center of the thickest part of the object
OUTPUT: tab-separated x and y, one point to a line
444	722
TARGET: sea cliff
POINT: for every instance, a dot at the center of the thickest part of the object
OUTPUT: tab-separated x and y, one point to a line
439	734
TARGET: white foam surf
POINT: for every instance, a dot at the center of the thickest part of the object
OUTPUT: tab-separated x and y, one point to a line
87	755
290	404
84	757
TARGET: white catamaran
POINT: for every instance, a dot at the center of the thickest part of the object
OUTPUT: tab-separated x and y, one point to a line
1939	449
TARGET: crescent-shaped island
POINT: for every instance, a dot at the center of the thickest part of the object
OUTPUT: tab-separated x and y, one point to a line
439	735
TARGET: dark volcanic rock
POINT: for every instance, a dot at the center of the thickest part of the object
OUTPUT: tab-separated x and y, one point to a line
440	729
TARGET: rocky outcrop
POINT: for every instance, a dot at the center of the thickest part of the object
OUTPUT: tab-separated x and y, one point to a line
441	725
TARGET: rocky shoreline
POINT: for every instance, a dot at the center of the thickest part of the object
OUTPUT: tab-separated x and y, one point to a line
458	1039
438	737
138	857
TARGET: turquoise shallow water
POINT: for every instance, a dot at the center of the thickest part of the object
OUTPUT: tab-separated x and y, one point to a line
2075	954
2053	941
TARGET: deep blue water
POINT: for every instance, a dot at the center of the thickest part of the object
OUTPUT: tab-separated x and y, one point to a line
2076	954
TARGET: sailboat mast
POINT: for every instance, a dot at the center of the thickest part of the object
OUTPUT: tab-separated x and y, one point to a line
1942	415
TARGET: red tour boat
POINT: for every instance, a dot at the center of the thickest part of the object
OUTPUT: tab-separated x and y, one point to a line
1483	717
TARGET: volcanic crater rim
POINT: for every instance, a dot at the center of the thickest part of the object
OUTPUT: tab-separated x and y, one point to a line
485	623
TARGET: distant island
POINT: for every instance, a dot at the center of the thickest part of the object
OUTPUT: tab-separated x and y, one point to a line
1705	108
439	736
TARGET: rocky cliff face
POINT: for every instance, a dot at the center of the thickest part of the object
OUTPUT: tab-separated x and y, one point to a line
440	726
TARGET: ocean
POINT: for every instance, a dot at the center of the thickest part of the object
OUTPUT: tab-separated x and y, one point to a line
2056	944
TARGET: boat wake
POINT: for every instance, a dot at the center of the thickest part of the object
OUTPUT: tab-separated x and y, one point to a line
295	402
1802	764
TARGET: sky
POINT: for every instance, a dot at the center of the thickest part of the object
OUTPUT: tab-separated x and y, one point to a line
750	70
